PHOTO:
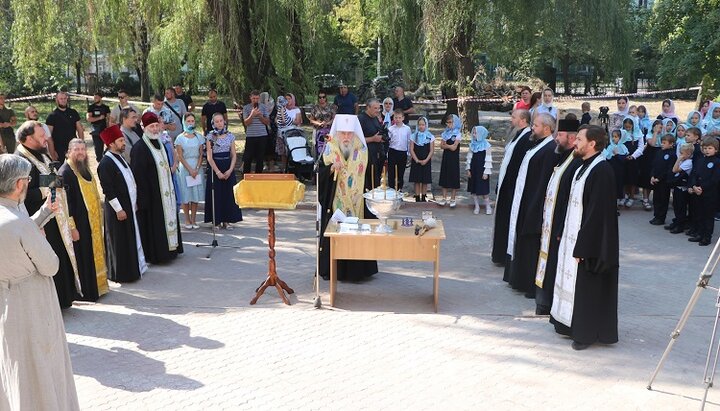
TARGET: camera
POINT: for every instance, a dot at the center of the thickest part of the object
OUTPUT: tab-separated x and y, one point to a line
604	112
52	180
384	133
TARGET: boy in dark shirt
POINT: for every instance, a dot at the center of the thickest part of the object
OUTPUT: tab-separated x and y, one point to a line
679	180
693	136
661	168
586	117
704	184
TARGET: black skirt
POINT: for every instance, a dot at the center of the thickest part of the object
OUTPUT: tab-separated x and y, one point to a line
476	184
421	173
450	169
645	166
630	177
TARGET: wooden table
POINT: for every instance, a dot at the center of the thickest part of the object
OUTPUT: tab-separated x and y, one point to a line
400	245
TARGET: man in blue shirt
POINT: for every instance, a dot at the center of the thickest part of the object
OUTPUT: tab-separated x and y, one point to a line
346	102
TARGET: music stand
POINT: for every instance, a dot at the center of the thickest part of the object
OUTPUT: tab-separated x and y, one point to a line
271	192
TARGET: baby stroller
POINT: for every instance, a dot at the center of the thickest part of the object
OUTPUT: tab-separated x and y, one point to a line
299	153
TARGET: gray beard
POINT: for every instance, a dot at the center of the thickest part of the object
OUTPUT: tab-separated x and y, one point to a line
152	136
346	151
83	167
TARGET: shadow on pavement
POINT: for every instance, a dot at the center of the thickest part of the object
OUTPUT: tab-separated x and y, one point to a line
126	370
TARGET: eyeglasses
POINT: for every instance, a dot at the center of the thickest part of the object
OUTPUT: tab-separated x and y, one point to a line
322	96
122	97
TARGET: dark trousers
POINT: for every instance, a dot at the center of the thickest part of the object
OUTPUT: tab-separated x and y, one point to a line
661	200
396	161
254	152
98	145
680	206
708	204
694	212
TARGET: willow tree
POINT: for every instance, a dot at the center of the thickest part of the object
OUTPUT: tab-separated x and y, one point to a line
262	44
54	38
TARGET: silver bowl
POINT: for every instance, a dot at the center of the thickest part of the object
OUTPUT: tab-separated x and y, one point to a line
383	203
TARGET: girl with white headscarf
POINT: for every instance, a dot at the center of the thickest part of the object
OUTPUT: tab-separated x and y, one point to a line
388	106
668	111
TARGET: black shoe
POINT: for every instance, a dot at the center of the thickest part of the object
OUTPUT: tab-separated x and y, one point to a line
695	239
670	226
657	221
690	232
705	241
676	230
542	310
579	346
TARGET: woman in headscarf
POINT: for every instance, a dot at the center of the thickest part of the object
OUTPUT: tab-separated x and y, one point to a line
450	165
422	143
289	115
668	111
712	120
321	117
388	106
189	146
704	107
478	164
221	157
623	110
547	104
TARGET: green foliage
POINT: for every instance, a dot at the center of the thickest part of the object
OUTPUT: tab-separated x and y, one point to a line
687	38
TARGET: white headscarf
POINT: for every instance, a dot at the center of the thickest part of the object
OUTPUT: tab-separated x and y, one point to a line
347	122
387	115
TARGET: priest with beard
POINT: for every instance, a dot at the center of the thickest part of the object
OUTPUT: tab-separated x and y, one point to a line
586	287
125	255
58	231
514	153
526	211
86	213
340	187
553	218
157	210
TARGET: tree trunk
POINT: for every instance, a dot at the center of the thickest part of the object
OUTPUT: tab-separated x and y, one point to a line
467	110
298	49
78	76
567	81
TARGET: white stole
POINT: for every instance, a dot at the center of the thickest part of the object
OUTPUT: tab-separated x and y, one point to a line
62	215
519	189
548	215
167	192
132	191
564	291
506	159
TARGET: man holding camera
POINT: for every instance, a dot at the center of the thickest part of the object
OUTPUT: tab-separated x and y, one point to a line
256	119
376	137
58	231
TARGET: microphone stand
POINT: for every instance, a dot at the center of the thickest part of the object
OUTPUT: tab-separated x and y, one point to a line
214	244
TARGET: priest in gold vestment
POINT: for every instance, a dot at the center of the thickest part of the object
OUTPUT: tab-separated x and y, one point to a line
340	186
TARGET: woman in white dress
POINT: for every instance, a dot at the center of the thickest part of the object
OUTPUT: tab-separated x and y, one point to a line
189	146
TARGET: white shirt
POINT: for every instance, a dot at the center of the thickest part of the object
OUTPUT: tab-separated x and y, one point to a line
552	110
400	137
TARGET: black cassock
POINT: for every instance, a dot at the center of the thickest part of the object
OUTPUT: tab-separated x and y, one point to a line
150	214
347	270
83	247
120	242
505	195
65	277
522	267
544	295
596	287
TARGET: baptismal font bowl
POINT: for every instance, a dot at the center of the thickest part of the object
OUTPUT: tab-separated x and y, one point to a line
383	202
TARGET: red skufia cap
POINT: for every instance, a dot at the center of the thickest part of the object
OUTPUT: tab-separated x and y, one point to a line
149	118
111	134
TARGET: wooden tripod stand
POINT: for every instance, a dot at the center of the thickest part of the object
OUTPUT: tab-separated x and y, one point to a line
272	279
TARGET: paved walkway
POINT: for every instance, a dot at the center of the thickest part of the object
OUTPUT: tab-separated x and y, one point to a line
185	337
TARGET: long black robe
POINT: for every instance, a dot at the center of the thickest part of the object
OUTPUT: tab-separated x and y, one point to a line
120	243
505	195
544	295
150	215
83	247
65	277
530	215
347	270
596	288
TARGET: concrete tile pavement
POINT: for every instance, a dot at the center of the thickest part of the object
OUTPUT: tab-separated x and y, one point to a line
184	337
